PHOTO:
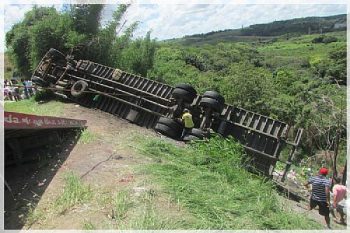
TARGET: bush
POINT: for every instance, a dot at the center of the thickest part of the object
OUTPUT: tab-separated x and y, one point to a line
318	39
324	39
329	39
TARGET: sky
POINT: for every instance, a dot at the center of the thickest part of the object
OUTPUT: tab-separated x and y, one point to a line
189	17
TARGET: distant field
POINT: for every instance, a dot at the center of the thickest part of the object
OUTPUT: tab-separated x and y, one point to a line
299	51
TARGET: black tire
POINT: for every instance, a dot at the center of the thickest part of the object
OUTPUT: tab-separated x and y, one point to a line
39	81
187	87
179	93
167	131
198	133
78	89
214	95
171	123
211	103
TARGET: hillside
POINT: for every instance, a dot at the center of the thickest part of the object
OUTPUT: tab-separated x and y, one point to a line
286	78
268	31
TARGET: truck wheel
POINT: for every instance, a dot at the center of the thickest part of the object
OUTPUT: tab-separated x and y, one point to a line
175	125
78	88
179	93
211	103
184	91
214	95
167	131
187	88
198	133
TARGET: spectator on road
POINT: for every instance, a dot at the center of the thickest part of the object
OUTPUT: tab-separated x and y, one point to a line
320	194
25	88
7	91
13	92
30	88
16	94
339	194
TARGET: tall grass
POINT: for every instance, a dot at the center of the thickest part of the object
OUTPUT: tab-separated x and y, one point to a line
120	205
74	193
148	216
88	226
86	137
34	216
209	179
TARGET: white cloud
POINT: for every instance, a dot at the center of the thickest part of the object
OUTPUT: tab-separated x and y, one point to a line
14	14
176	20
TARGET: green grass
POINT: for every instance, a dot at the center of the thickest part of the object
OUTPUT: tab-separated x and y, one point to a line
120	205
88	226
29	106
297	51
34	215
147	215
209	180
87	137
75	192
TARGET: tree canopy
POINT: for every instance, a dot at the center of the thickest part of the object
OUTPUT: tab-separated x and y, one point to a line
77	31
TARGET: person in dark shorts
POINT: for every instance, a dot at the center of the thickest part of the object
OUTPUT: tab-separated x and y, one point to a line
339	194
320	195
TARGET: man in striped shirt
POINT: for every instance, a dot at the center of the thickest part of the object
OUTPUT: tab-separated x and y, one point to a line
320	194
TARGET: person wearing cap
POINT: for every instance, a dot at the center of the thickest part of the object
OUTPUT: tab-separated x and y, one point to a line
320	194
187	121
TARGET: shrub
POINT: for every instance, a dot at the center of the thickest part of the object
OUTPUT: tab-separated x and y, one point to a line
329	39
318	39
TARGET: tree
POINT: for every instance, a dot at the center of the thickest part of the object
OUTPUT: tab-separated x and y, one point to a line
52	32
18	39
325	121
249	87
138	57
77	31
86	18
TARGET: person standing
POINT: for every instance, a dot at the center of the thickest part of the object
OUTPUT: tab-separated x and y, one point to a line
320	194
30	88
13	91
25	88
339	193
187	121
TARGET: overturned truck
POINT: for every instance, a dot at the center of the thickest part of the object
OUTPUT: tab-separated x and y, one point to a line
156	105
